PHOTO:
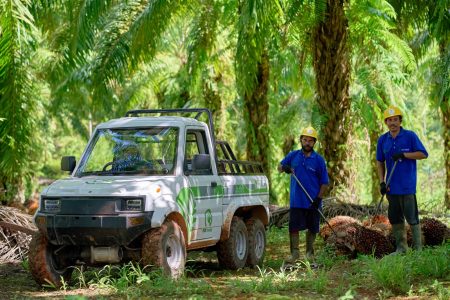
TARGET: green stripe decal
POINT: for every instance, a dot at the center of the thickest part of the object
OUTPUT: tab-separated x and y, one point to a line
186	196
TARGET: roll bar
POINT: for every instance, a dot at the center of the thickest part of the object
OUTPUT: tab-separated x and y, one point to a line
198	111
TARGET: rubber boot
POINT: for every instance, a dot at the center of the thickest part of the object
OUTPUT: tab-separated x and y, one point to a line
399	232
310	238
295	253
416	237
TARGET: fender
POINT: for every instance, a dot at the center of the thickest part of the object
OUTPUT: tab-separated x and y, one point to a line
258	211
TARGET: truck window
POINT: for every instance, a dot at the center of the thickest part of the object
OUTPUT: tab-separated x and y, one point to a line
131	151
195	144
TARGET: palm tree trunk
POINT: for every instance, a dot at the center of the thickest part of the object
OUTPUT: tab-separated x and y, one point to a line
331	60
373	164
445	110
256	115
446	123
213	101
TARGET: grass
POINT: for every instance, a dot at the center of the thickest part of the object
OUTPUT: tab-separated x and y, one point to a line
398	273
420	274
392	275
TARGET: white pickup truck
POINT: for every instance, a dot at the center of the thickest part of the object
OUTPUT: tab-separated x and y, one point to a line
149	187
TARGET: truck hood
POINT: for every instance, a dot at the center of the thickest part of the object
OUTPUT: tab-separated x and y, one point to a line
109	186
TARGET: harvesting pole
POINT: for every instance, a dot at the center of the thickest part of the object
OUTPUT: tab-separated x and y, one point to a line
387	185
311	200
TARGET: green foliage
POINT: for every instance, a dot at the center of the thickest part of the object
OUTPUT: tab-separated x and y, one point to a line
397	272
21	97
204	31
256	24
89	61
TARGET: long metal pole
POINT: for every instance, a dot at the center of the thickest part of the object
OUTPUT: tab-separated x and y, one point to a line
387	185
311	200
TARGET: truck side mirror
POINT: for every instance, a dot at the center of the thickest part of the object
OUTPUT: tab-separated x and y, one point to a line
68	163
201	162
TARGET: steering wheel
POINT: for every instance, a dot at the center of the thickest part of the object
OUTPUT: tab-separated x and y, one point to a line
107	165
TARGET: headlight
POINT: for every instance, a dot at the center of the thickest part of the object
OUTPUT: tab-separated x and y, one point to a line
52	205
133	204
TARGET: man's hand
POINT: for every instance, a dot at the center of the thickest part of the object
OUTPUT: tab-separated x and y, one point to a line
383	188
316	203
286	169
398	156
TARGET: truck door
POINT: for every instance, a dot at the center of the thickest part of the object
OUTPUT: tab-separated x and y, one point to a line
205	186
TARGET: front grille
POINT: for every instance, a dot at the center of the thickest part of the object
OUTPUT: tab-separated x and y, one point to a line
88	205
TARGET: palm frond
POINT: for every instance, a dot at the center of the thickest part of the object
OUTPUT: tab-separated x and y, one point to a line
147	28
87	17
440	20
258	21
202	37
371	30
18	135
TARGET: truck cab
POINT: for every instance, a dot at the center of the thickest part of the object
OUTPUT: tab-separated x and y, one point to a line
150	188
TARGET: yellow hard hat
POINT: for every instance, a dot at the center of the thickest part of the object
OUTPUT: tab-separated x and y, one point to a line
392	111
309	131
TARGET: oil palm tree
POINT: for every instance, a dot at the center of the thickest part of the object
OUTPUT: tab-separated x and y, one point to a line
429	21
20	97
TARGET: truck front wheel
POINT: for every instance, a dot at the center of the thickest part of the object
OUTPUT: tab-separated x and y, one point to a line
232	253
164	247
256	242
45	266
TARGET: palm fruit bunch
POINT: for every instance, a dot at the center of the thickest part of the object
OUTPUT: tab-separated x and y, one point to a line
434	231
373	240
337	223
379	222
343	241
354	237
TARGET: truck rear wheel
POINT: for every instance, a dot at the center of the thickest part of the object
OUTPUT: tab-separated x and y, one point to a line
256	242
164	247
232	253
44	265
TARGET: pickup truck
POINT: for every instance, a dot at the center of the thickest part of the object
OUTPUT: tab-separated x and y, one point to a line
148	188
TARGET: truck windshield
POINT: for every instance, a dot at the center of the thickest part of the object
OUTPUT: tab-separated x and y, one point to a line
150	150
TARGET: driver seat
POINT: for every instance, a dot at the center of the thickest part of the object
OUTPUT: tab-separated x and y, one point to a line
127	158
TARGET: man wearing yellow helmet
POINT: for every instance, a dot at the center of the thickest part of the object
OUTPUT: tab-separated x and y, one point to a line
405	148
311	170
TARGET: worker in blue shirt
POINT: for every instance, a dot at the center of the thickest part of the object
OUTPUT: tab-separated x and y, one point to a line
310	169
404	147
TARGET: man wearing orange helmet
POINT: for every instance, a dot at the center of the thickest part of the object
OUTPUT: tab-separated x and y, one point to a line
404	148
310	168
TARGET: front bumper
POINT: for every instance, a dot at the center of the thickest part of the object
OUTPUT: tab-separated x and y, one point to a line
93	230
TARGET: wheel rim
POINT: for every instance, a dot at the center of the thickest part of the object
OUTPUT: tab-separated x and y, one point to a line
241	245
259	244
173	251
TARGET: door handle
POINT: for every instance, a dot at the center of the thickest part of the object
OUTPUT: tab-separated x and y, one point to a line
213	183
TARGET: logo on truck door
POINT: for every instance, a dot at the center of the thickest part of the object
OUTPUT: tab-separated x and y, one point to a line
208	218
208	221
188	209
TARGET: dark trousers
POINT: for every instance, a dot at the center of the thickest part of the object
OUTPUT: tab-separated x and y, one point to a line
403	207
304	218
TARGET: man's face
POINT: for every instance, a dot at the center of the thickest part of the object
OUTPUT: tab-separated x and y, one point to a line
393	123
307	143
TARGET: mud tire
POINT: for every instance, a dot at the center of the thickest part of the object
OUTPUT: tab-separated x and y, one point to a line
232	253
43	265
256	242
165	248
